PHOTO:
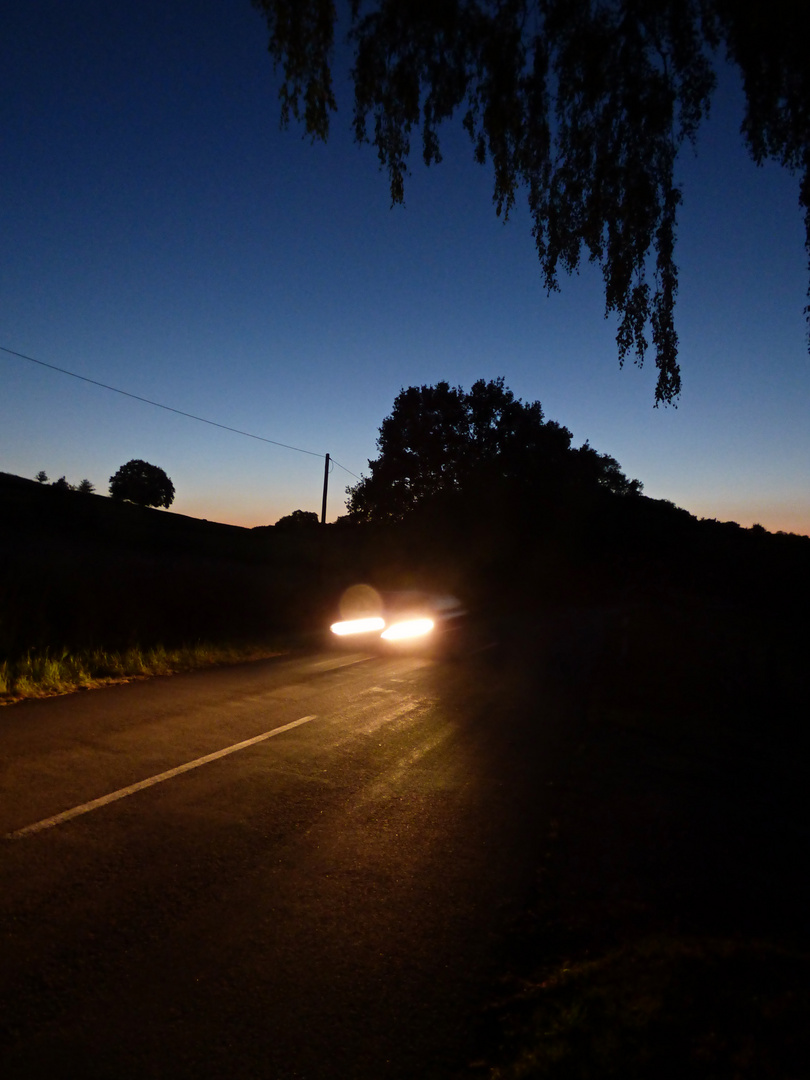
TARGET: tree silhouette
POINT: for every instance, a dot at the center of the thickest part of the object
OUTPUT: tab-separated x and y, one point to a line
443	444
142	483
86	487
298	519
583	105
41	477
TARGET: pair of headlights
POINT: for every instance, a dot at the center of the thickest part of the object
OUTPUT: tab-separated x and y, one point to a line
399	630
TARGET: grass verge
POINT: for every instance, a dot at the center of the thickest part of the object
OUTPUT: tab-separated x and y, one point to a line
49	673
669	1007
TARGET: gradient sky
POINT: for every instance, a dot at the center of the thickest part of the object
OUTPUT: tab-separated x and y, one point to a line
162	235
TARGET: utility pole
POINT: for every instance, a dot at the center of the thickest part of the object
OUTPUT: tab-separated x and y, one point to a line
325	488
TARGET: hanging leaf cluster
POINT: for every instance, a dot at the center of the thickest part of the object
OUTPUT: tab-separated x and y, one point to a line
582	105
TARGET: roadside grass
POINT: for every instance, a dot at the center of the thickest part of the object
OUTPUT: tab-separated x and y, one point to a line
48	673
669	1007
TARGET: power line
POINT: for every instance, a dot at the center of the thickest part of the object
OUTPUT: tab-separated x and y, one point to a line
349	471
168	408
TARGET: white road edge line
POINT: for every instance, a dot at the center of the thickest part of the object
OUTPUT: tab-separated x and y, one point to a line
85	808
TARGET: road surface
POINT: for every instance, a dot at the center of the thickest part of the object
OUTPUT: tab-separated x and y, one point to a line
310	867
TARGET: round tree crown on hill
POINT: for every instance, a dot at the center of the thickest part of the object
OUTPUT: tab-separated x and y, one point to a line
142	483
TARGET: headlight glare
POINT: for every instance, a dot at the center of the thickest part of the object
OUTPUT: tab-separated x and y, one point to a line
357	626
407	628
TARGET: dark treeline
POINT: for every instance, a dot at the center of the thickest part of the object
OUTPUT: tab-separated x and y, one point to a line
83	570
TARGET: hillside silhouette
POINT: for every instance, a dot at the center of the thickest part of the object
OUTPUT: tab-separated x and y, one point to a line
81	569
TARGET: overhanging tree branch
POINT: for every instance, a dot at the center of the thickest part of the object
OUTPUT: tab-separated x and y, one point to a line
583	106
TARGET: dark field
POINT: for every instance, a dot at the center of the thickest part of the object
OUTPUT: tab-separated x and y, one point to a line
667	932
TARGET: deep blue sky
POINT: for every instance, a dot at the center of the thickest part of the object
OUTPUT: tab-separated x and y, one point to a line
161	234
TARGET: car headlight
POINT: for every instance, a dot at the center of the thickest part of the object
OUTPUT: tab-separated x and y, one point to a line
407	628
357	626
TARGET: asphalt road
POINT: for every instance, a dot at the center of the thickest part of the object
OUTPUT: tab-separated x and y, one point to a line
332	900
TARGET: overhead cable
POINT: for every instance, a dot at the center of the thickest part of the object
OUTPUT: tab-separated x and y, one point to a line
158	405
349	471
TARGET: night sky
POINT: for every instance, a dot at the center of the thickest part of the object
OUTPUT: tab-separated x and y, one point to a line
162	235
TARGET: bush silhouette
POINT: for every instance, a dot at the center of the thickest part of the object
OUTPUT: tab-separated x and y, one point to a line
298	519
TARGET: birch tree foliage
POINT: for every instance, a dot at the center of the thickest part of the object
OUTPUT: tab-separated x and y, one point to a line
581	106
